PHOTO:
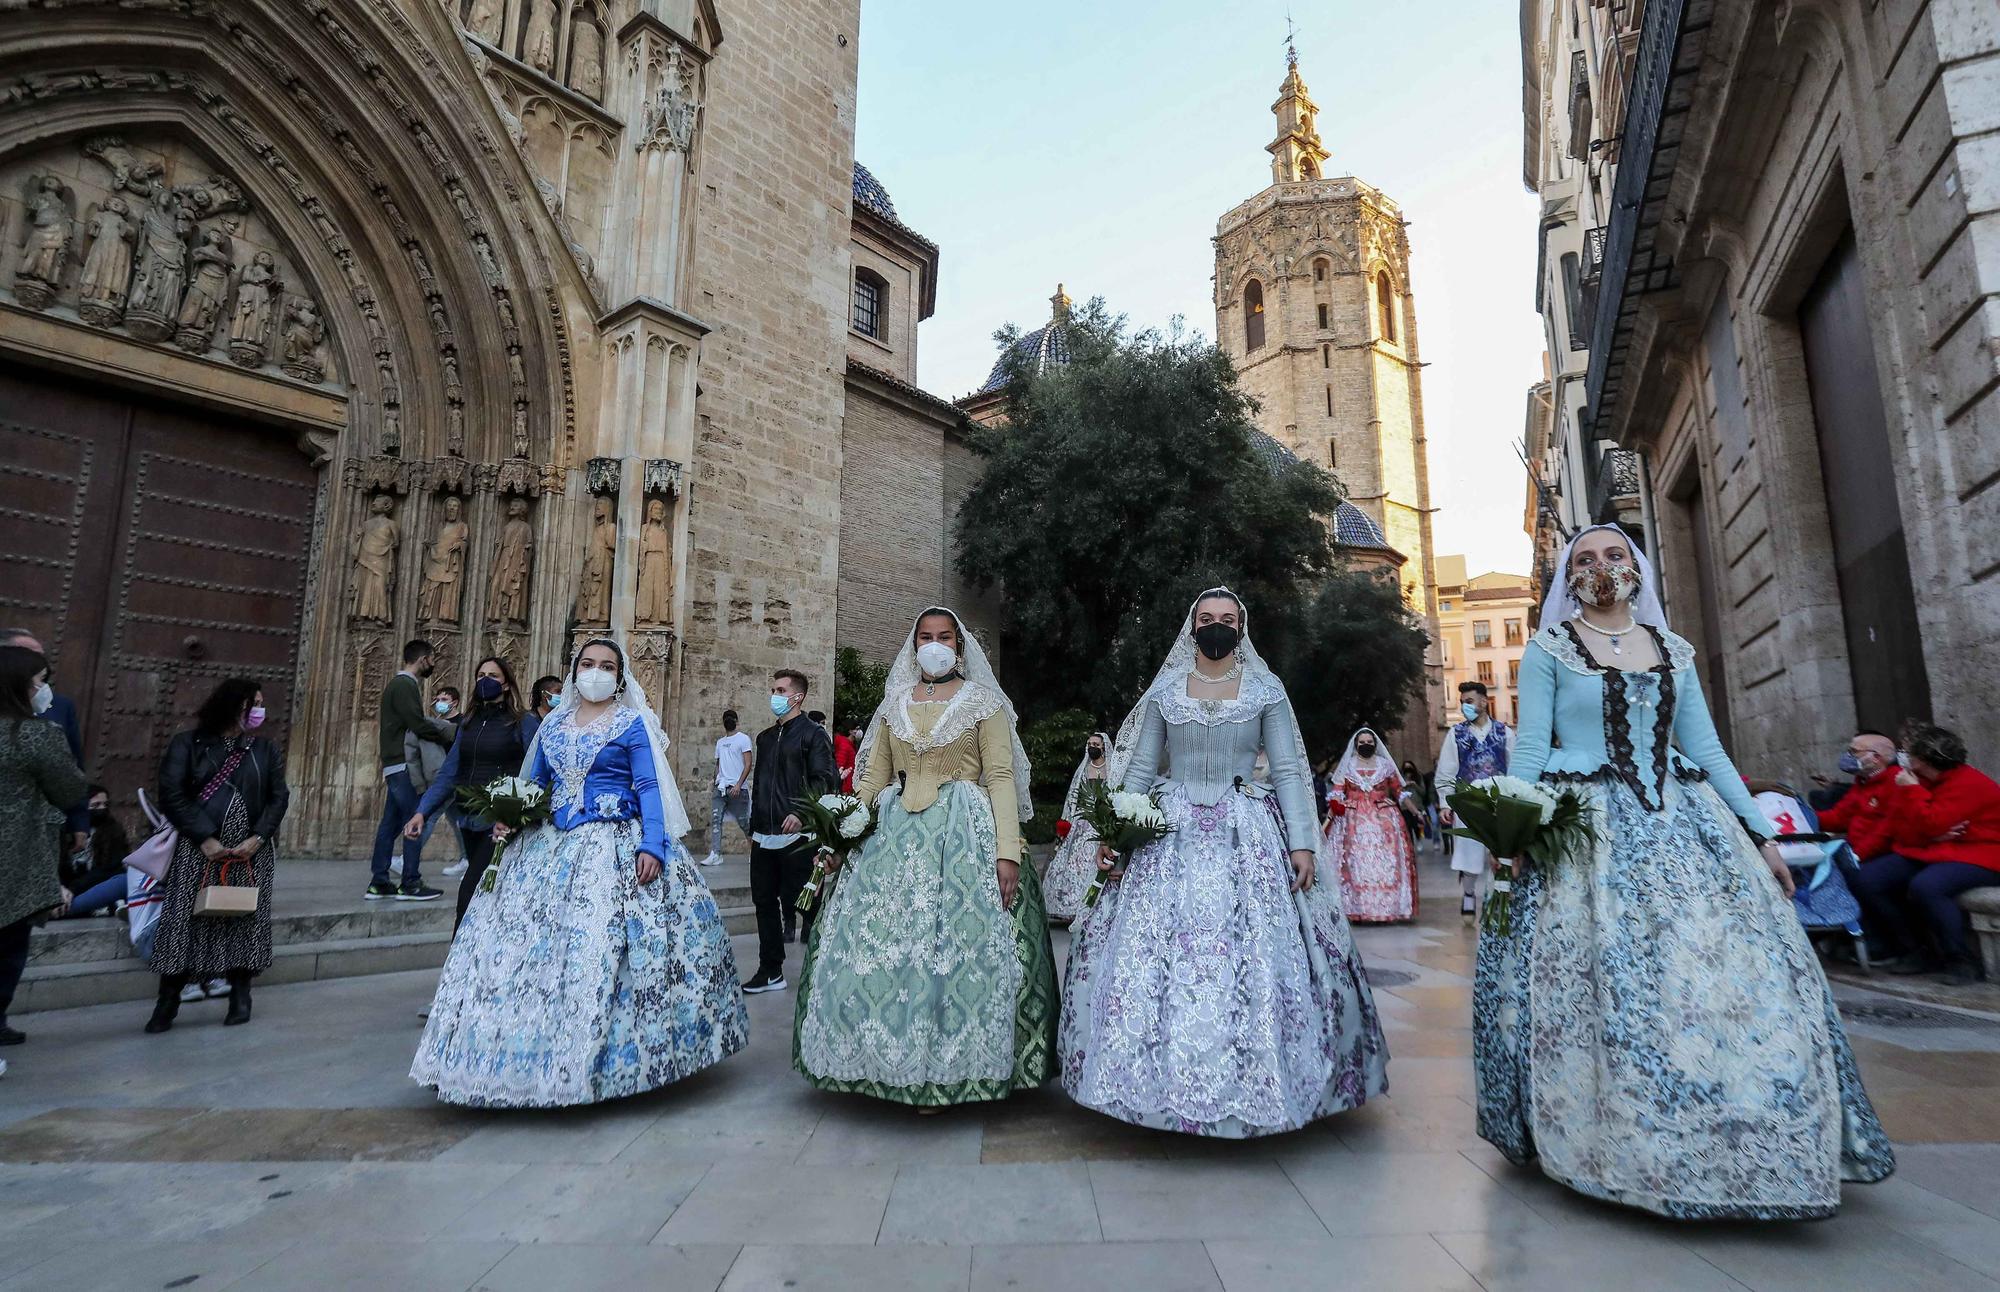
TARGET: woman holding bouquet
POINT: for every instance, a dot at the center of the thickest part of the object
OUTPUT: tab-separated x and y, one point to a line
929	978
597	965
1075	863
1654	1025
1215	989
1366	837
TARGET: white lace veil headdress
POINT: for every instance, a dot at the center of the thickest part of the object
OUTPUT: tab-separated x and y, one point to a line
631	695
1561	603
1349	766
977	700
1111	771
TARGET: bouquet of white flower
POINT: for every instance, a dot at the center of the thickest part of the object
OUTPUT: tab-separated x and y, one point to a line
836	824
511	801
1518	819
1122	822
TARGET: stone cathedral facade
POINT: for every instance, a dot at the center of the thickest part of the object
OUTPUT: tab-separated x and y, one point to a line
497	322
1313	304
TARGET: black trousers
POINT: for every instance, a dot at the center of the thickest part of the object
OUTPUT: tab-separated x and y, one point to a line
776	877
478	846
13	960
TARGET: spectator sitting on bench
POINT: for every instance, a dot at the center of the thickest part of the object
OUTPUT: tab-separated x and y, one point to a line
1866	812
1947	840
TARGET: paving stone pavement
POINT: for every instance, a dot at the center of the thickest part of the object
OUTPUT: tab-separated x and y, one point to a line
295	1153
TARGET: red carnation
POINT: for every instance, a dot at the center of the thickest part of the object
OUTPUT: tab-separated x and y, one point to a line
1062	830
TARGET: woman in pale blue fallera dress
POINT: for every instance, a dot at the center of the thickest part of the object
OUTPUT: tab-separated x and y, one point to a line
1214	989
1655	1029
598	966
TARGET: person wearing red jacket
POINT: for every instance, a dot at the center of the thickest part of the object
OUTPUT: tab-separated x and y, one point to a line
1947	840
1866	814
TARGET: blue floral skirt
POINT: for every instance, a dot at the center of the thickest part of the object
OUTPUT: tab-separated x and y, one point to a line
1656	1030
573	983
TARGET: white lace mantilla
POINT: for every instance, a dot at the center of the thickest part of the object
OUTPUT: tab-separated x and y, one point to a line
572	750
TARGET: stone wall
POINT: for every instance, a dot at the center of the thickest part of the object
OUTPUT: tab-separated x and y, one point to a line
894	547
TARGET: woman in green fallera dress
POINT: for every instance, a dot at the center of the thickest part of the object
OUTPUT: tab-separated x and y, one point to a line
929	978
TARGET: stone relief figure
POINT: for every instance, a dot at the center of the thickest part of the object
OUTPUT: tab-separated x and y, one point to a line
593	586
586	59
444	567
159	275
208	292
46	242
304	334
250	322
507	590
656	567
539	49
485	19
107	269
375	561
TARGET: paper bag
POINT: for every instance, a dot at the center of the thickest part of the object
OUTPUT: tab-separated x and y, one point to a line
221	899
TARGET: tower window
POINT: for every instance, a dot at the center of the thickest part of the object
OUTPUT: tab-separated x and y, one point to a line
1308	168
870	293
1253	316
1332	454
1385	306
1329	401
1325	355
1319	271
1322	318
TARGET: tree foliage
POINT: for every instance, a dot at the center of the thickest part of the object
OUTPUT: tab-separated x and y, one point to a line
1126	481
857	688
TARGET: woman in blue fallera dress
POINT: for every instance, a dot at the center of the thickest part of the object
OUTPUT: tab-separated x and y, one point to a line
598	966
1655	1028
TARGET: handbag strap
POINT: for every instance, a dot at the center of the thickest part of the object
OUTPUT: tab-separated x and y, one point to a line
224	772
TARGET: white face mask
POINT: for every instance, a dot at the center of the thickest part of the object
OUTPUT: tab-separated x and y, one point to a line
43	697
936	659
597	684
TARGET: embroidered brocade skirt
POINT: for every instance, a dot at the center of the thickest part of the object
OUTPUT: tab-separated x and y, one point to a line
1070	871
1203	996
1376	862
1656	1029
573	983
918	986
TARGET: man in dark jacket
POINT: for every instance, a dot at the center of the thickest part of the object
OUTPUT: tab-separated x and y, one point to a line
402	713
794	759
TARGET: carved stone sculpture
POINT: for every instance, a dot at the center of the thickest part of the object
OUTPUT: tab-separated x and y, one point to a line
507	590
593	586
656	567
304	334
586	60
668	122
207	294
444	567
250	322
538	50
159	275
107	270
46	243
375	561
485	18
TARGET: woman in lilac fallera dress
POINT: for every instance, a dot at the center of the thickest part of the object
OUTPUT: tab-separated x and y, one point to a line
1215	989
598	966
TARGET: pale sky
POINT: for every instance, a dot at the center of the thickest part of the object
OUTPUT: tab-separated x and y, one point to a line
1095	143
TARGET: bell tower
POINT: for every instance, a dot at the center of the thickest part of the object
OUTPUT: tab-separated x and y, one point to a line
1296	153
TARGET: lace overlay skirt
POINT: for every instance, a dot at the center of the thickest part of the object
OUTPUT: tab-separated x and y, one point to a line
573	983
1376	863
1203	996
918	986
1657	1030
1070	872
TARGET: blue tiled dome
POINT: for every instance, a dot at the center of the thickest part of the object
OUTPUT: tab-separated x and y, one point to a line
1272	453
869	193
1045	345
1353	527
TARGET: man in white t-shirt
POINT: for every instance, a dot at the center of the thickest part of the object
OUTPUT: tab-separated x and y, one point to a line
731	793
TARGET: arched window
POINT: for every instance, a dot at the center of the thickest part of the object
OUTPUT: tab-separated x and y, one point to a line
1253	316
1323	307
871	297
1319	270
1385	307
1308	168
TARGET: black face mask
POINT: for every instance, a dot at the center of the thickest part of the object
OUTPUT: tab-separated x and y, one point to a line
1216	640
1365	749
100	815
1096	754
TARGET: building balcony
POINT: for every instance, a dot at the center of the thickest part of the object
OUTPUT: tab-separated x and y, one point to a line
1614	492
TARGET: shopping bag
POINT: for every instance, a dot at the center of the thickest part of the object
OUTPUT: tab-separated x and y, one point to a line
154	855
143	900
220	899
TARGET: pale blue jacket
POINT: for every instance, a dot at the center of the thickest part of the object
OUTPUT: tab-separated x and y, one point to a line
1580	720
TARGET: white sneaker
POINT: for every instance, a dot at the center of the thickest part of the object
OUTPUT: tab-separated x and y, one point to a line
457	868
194	991
712	859
3	1067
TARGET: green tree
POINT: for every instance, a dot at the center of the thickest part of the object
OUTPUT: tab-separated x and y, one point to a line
857	688
1122	483
1351	655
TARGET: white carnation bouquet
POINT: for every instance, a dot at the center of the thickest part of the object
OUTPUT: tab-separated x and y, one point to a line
511	801
1517	819
1122	822
836	824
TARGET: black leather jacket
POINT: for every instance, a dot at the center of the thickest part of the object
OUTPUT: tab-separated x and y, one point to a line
792	757
193	758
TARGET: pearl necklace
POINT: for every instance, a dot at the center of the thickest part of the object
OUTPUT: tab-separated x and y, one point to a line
1612	635
1235	671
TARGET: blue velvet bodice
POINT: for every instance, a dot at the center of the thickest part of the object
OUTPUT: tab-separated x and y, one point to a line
602	772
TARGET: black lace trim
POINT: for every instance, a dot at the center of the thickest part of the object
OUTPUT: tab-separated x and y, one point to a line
1618	719
1605	775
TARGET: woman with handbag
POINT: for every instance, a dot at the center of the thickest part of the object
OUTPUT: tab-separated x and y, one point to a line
223	789
38	779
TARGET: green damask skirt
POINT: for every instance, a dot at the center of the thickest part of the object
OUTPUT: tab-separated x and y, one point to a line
918	986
